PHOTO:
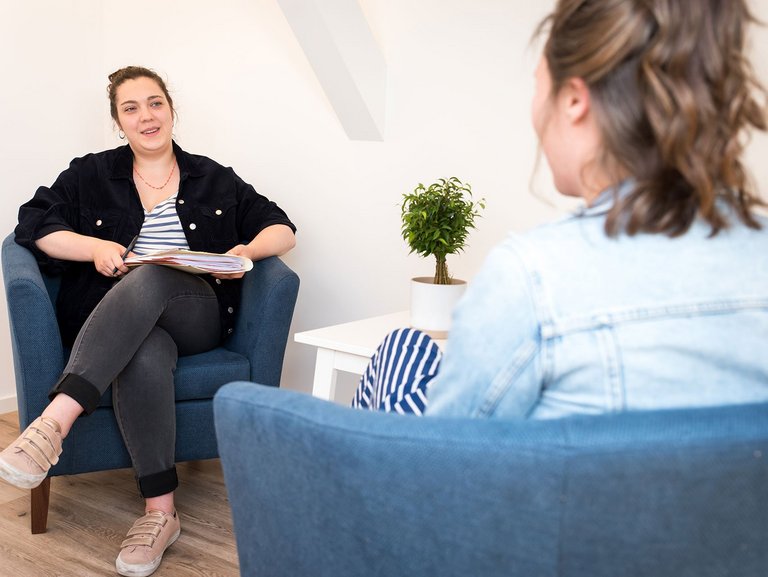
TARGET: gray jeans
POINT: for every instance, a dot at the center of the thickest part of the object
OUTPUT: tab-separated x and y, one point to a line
132	340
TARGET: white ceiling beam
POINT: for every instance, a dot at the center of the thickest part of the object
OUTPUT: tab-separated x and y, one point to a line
348	63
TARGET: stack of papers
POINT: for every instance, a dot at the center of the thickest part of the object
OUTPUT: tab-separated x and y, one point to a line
194	261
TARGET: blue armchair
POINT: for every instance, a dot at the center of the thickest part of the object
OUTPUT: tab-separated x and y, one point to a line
325	490
254	352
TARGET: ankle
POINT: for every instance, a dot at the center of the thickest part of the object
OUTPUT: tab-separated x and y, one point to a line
163	503
64	411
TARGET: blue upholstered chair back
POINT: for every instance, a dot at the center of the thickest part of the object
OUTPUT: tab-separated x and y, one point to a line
325	490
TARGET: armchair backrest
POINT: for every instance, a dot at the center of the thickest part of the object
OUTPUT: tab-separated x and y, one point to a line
330	491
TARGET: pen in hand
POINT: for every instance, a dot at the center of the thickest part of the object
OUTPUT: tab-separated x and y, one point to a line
127	250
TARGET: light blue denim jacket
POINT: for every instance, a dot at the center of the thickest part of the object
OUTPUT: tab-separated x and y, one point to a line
564	320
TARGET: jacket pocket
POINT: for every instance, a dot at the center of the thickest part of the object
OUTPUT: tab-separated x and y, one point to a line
220	224
100	223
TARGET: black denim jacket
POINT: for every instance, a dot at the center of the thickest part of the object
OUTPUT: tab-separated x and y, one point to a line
96	196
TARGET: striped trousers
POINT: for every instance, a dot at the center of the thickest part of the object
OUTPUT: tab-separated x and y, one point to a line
398	376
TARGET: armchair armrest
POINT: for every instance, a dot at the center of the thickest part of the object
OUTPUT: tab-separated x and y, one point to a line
266	310
34	329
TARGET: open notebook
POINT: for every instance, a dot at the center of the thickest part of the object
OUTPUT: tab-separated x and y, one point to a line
194	261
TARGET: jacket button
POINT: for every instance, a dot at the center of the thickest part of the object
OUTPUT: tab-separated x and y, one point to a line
230	331
218	281
192	226
218	211
98	222
181	201
230	310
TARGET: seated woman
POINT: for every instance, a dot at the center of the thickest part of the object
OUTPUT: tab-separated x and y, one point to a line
127	330
655	295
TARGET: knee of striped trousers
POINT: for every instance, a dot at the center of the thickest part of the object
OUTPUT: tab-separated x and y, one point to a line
399	373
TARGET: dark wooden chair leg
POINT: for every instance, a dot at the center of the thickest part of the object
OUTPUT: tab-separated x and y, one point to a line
41	496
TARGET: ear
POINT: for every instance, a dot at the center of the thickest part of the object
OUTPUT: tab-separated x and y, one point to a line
575	100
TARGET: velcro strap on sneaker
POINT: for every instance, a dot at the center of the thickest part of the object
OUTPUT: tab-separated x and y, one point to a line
139	541
145	530
50	429
40	449
151	529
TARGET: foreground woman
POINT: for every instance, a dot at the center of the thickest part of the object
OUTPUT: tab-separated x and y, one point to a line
655	295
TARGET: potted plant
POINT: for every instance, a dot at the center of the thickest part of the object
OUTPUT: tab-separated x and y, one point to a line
436	222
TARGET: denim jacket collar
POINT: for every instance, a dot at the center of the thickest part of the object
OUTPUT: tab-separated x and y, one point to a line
607	198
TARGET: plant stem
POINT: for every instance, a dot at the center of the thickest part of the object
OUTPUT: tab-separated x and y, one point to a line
441	272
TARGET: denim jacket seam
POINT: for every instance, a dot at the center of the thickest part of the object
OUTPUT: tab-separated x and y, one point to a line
505	379
609	318
610	351
543	308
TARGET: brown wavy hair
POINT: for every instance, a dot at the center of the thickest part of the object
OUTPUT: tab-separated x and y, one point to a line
132	73
674	97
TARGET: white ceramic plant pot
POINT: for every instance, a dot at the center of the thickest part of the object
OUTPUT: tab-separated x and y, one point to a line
432	305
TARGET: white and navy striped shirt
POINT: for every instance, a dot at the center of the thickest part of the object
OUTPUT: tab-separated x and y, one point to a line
161	230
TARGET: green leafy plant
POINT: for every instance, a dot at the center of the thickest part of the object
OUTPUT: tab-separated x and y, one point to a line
437	221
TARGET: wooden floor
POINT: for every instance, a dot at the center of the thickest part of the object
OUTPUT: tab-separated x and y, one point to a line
90	514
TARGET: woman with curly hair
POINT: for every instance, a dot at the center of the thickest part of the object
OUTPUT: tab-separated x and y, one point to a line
655	294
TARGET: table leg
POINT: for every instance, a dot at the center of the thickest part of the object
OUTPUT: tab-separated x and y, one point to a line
324	385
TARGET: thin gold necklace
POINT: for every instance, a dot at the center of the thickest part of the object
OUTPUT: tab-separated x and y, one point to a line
167	180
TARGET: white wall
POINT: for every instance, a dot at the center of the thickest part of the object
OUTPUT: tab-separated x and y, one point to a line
459	87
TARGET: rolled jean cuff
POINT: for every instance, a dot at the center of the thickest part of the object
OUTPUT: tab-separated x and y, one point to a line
80	389
158	484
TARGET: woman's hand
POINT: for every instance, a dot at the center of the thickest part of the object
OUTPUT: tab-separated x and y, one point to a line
108	256
275	240
239	250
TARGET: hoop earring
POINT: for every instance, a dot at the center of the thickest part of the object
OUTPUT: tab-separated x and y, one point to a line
121	134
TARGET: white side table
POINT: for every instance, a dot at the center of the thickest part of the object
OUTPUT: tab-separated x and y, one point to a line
348	347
